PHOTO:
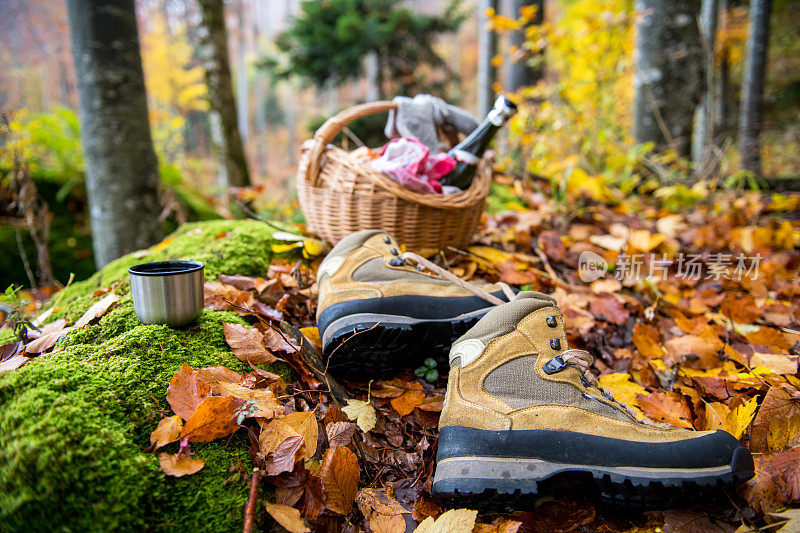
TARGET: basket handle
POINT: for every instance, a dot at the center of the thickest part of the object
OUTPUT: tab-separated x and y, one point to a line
333	126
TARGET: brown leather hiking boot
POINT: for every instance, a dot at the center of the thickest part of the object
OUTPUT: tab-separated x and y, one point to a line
379	309
521	411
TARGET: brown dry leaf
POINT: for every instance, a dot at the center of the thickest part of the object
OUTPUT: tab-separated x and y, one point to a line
14	362
288	517
213	375
453	521
424	507
186	391
609	309
97	310
669	407
265	400
777	481
515	273
389	389
305	424
605	285
277	342
769	337
280	444
47	341
551	244
362	412
340	474
340	433
214	417
781	402
247	344
433	404
776	362
406	403
168	430
646	339
689	346
384	513
179	464
221	297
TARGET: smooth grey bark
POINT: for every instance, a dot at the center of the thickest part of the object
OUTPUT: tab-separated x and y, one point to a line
122	182
703	136
720	108
233	170
518	72
755	67
487	49
669	74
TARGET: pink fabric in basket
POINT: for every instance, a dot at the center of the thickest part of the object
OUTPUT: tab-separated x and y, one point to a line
407	161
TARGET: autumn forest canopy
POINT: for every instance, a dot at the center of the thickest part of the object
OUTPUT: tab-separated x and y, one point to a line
643	180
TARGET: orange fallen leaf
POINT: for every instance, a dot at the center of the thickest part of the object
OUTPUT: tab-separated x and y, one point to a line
383	512
280	444
97	310
179	464
305	424
186	391
777	362
312	334
777	481
769	337
264	399
168	430
288	517
608	308
668	407
405	403
781	402
340	474
247	344
213	375
214	417
646	339
278	342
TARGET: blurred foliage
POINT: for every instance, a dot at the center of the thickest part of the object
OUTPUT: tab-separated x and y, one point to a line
328	40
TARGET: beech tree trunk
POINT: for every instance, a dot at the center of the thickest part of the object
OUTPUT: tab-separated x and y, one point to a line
223	114
518	72
669	73
487	49
755	67
122	181
704	120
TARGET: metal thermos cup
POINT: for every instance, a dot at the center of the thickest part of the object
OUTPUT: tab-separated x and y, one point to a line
167	292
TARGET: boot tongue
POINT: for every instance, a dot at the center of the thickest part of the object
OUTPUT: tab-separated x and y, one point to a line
504	318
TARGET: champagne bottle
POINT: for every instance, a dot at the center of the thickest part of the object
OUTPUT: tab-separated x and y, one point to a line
468	152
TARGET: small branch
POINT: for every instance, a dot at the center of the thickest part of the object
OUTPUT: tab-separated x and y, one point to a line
250	508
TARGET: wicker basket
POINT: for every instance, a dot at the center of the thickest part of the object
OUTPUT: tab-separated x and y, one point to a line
339	195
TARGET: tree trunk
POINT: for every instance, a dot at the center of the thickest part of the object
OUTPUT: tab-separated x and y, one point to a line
122	180
224	123
703	136
755	67
720	111
669	77
487	49
518	72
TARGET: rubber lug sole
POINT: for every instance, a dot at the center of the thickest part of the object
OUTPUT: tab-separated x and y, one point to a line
378	346
492	482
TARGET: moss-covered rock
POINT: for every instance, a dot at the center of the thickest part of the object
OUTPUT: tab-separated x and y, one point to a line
75	423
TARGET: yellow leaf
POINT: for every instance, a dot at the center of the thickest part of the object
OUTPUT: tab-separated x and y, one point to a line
453	521
179	464
163	244
362	412
781	432
624	389
492	255
717	416
168	430
305	423
739	419
288	517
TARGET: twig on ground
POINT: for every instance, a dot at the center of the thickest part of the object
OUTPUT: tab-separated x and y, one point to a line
250	508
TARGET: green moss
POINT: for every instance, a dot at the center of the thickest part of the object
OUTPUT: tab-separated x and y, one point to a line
225	246
75	423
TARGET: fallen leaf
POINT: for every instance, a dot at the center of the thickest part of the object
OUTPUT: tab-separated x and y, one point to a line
433	404
213	375
214	417
265	400
277	342
499	525
14	362
605	285
668	407
777	481
624	390
769	337
405	403
168	430
789	521
304	423
179	464
776	362
783	433
362	412
186	391
384	513
551	244
693	347
312	334
97	310
646	339
340	474
644	241
47	341
735	422
280	444
340	433
288	517
609	309
453	521
247	344
781	402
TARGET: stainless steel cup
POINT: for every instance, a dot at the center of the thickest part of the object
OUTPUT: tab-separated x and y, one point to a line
167	292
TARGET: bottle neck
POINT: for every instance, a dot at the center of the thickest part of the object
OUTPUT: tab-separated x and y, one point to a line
476	143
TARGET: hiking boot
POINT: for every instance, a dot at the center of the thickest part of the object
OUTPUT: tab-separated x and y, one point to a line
380	309
522	413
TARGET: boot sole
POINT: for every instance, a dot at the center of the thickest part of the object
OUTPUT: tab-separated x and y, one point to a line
368	345
494	481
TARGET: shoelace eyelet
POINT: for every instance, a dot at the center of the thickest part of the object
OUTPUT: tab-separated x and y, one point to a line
551	321
555	344
394	251
387	240
556	364
396	262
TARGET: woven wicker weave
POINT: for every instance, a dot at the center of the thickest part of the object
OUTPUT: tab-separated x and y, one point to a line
339	195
